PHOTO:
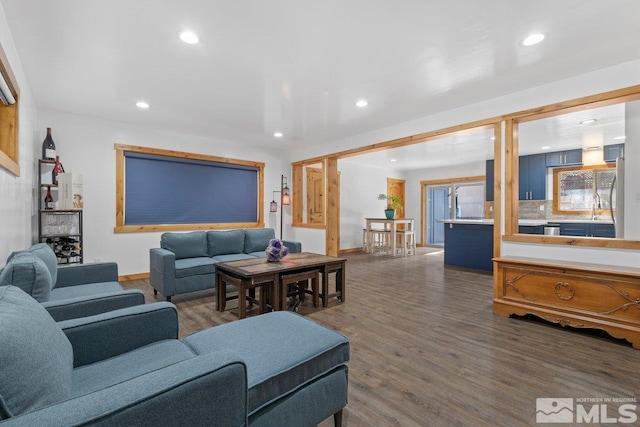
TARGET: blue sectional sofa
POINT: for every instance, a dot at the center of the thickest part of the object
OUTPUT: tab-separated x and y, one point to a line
70	291
186	262
128	367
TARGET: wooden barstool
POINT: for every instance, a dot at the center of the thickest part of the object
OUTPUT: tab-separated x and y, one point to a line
407	242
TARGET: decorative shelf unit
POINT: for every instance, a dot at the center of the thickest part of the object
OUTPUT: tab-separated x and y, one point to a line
61	229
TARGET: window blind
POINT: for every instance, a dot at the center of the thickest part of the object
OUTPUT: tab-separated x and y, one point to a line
170	190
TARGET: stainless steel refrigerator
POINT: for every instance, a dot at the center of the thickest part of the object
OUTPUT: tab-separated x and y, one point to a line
616	196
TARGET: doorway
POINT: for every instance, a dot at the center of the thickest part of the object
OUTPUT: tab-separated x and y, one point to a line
437	209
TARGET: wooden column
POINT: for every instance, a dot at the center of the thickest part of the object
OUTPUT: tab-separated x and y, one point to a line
332	214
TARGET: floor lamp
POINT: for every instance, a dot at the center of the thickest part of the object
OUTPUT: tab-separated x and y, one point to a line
285	199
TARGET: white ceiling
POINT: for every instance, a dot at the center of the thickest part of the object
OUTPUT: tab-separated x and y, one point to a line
298	66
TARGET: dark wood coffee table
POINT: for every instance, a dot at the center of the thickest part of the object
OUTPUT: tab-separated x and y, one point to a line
249	274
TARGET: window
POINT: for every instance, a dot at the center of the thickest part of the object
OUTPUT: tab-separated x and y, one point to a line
168	190
584	190
9	99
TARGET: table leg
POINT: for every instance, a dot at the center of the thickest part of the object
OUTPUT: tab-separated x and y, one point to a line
242	300
316	294
394	238
340	279
325	286
221	292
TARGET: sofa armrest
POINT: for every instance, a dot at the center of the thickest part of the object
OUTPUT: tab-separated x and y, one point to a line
294	247
91	305
207	390
116	332
162	271
82	274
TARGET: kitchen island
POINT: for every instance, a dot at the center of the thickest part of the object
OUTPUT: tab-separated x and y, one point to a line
468	243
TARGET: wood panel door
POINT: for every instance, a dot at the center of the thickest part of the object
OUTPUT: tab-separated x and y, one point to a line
315	196
395	187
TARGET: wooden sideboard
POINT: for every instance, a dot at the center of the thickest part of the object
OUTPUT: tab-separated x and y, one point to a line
572	294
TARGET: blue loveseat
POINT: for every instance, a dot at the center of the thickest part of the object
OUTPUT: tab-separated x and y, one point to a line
186	262
70	291
128	367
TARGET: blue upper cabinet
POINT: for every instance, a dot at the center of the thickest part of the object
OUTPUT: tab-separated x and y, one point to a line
564	158
488	186
532	177
612	152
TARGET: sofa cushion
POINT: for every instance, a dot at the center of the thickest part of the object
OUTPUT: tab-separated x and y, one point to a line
29	273
225	242
87	290
99	375
194	266
36	357
257	239
259	254
231	257
185	245
46	254
282	351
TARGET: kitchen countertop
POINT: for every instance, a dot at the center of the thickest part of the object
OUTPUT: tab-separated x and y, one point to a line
530	222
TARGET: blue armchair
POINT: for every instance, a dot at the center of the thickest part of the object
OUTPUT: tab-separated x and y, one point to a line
71	291
127	367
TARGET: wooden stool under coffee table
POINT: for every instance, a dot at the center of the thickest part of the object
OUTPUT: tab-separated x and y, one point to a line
266	283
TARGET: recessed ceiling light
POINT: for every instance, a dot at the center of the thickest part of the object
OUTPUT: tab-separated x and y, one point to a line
362	103
393	160
620	137
277	134
532	39
588	121
546	147
189	37
142	104
493	138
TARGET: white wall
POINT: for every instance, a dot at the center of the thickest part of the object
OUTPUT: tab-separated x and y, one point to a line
86	146
360	186
17	207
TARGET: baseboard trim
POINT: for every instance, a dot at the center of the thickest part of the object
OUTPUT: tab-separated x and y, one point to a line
349	251
137	276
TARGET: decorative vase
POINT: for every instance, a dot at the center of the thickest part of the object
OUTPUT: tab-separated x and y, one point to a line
276	250
389	213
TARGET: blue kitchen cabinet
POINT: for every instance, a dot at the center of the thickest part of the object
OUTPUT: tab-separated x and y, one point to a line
563	158
612	152
584	229
531	229
469	246
488	186
532	177
603	230
579	229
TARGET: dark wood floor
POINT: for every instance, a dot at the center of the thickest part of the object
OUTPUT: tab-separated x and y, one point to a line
426	349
